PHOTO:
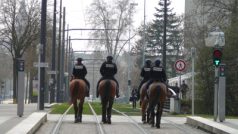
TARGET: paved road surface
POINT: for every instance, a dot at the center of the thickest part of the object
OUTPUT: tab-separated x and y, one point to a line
120	125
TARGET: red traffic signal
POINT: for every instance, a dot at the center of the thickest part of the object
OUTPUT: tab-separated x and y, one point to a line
217	54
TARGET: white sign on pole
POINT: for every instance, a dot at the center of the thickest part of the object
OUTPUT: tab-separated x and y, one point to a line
51	72
215	39
42	64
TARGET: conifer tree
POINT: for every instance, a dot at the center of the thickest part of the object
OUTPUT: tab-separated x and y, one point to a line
174	36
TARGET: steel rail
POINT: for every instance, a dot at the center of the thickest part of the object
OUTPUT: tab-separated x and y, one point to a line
177	126
99	126
133	121
58	125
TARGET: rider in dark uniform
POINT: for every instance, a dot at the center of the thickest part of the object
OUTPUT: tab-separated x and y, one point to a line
108	70
145	74
157	74
79	72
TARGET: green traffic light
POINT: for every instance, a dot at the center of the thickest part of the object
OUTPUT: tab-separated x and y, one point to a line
217	62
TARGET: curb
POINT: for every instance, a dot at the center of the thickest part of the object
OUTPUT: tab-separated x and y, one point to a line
30	124
210	126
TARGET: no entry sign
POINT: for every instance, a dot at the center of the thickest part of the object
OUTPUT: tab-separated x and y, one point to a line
180	65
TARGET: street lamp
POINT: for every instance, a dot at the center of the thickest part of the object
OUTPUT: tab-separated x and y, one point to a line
143	46
129	48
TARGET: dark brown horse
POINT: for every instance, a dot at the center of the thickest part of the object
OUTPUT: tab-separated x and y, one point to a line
157	93
107	92
78	90
144	103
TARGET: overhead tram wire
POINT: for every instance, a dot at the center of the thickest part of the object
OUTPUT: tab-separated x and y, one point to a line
94	39
87	29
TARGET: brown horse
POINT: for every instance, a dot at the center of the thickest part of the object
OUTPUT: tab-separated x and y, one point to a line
78	89
144	103
157	93
107	92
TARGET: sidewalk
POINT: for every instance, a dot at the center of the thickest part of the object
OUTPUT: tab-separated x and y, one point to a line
9	117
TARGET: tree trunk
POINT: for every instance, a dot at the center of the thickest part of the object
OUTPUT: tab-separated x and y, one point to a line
30	88
15	80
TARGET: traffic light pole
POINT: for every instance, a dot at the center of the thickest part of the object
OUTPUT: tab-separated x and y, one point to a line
216	94
220	90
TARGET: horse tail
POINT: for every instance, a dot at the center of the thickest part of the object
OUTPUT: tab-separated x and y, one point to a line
157	94
76	88
107	88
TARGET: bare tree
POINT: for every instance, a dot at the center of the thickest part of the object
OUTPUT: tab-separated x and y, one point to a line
113	20
19	20
5	69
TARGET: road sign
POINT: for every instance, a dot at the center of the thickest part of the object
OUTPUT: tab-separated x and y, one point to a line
180	65
51	72
42	64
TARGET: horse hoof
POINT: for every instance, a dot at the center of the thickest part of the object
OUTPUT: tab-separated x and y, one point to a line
104	121
109	122
157	126
80	120
76	121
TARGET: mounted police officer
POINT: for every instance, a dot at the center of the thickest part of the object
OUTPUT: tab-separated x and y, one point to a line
79	72
157	74
108	70
145	74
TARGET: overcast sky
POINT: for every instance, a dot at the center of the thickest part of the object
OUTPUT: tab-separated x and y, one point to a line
75	15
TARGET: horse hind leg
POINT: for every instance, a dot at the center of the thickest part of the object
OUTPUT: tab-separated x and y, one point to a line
143	112
104	106
151	111
109	111
158	115
80	111
75	111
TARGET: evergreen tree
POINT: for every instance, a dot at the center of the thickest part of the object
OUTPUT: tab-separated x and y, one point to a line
174	36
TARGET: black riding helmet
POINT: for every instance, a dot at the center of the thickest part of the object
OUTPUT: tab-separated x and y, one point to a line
109	58
148	62
79	60
157	62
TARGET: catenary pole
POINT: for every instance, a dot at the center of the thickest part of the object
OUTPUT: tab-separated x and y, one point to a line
42	53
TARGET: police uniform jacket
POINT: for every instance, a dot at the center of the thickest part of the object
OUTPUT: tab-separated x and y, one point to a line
145	72
108	69
158	73
79	71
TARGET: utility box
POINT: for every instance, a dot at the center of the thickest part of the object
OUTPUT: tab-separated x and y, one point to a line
20	87
222	94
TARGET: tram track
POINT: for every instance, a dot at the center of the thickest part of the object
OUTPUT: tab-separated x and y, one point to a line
59	122
101	128
184	130
121	123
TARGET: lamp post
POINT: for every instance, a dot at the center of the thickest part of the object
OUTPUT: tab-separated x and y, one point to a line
42	53
143	47
129	48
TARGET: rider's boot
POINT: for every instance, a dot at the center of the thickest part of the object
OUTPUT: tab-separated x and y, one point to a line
87	94
117	92
97	93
